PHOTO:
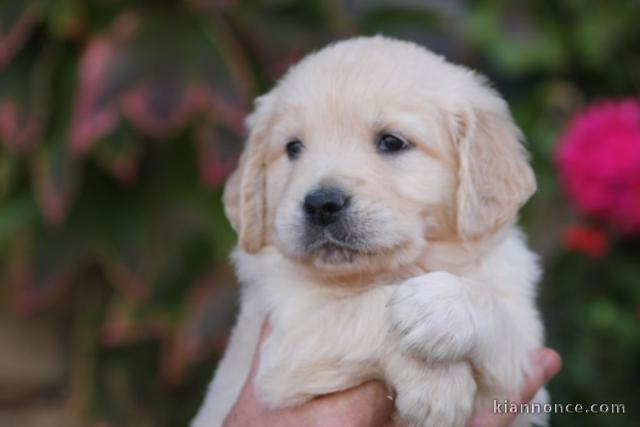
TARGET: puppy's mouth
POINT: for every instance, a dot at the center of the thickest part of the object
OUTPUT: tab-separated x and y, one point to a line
335	245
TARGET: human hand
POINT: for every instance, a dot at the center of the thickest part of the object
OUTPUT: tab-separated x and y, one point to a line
546	364
368	405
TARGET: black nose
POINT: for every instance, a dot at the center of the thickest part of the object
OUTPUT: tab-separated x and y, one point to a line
325	205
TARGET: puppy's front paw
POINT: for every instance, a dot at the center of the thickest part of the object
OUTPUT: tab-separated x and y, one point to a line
433	316
443	396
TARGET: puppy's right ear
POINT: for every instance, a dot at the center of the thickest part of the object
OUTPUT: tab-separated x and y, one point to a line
244	192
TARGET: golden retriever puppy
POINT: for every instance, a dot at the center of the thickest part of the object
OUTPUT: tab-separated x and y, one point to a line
375	204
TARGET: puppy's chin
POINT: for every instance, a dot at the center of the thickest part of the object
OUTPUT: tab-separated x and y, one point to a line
332	259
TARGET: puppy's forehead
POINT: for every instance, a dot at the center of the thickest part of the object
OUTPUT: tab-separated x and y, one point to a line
363	81
336	80
362	69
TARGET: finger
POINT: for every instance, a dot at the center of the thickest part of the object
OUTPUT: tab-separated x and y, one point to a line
368	404
396	421
248	395
546	364
264	333
248	406
374	401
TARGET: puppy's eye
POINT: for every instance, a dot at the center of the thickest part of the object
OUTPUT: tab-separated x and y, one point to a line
294	148
389	143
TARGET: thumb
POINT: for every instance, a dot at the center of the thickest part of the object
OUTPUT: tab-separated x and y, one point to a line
546	364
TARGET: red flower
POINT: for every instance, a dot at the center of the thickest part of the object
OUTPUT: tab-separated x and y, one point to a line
599	163
590	241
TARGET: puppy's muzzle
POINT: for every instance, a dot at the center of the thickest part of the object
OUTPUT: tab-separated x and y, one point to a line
325	206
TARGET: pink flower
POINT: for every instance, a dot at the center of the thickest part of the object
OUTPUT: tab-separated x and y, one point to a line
599	163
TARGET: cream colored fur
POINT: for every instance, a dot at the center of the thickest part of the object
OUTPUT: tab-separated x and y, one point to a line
440	303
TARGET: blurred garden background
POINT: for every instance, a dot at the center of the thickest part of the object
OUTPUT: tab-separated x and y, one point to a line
120	120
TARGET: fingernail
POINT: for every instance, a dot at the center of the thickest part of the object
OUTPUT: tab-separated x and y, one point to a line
549	362
537	357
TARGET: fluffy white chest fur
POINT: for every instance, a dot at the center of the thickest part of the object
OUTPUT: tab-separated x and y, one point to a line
327	339
375	204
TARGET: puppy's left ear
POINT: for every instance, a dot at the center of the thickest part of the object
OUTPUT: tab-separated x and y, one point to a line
494	175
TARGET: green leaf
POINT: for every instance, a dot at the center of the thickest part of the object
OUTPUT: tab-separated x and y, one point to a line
15	214
8	171
54	176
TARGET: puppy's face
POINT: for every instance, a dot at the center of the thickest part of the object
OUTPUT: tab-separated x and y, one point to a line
367	151
355	178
